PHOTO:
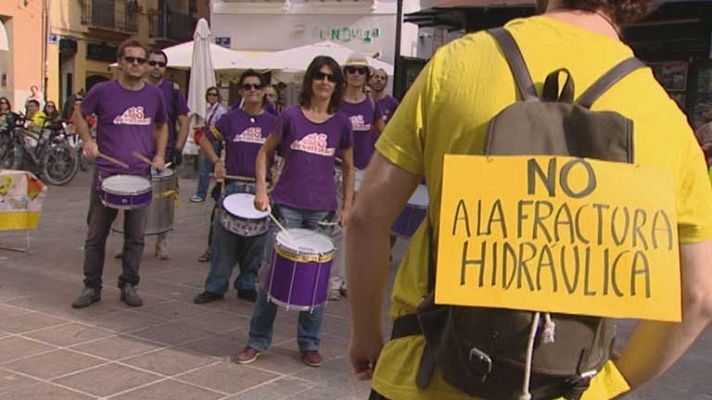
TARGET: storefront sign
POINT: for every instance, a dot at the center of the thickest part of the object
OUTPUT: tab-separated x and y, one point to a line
559	234
347	34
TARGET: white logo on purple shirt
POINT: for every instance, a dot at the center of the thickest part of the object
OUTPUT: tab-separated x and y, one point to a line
358	123
132	116
252	134
314	143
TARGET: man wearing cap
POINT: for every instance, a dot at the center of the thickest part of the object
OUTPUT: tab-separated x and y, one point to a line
378	83
367	123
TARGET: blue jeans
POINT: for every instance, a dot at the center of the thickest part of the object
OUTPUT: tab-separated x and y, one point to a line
228	248
205	168
264	313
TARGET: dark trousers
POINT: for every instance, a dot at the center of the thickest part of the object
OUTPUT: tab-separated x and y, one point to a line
375	396
99	223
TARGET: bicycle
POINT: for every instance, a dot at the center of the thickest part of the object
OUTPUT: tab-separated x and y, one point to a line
47	149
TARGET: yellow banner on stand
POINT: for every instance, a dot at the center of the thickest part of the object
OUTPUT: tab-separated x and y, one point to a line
559	234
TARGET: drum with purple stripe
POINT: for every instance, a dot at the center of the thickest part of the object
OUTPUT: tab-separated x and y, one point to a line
413	214
299	273
125	192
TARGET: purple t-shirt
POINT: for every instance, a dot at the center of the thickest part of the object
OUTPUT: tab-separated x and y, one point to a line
174	107
362	116
388	106
243	135
126	122
309	151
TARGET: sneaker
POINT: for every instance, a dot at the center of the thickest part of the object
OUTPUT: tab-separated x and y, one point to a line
312	358
207	297
247	295
161	249
334	294
197	199
205	257
87	297
130	297
247	355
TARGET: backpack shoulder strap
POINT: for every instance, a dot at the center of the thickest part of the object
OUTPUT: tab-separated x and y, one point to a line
610	78
516	63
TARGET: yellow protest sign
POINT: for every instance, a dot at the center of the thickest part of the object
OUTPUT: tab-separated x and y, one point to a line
558	234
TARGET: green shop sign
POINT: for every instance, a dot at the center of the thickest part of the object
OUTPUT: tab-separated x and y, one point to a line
348	34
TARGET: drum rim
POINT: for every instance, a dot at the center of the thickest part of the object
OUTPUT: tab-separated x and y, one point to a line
288	306
164	177
297	256
222	206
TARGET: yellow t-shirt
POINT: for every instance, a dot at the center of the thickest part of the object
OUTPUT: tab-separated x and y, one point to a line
447	112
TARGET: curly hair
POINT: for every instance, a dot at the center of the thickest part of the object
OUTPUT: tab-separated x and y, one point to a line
622	12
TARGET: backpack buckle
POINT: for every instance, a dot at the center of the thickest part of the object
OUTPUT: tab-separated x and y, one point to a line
480	362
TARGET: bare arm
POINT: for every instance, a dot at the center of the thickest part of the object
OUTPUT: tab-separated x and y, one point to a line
161	137
656	346
348	169
382	195
207	146
380	125
263	157
184	122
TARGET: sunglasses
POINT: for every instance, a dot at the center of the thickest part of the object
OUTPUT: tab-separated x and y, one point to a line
320	76
159	63
135	60
50	106
251	86
212	94
356	70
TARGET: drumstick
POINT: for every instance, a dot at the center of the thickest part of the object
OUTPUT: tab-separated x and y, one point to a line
113	160
282	228
237	177
142	157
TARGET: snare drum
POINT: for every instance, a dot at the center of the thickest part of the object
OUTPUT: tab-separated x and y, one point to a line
240	216
413	214
125	192
299	273
161	212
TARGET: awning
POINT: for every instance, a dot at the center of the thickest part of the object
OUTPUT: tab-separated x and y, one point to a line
4	41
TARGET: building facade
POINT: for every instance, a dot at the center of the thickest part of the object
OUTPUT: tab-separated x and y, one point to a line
85	34
21	66
364	25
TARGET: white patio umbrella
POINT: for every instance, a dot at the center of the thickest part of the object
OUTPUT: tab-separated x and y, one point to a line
4	42
202	76
298	58
180	56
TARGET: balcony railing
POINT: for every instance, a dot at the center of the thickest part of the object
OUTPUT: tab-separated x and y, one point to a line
112	15
172	26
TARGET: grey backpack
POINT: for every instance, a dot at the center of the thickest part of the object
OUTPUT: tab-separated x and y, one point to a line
484	351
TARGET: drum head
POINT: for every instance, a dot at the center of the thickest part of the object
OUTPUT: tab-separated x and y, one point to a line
166	173
420	197
126	184
242	205
305	241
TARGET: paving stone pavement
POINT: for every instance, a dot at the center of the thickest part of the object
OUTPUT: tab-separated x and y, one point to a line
171	348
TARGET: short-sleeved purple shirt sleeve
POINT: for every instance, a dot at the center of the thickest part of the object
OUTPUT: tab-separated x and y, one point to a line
309	150
363	115
126	122
388	105
175	106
